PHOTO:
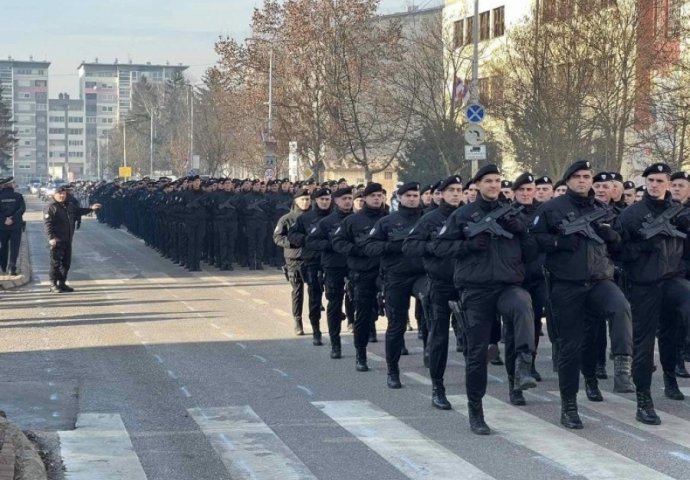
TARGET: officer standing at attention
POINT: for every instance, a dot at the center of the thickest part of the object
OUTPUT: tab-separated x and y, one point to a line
659	293
441	289
403	277
59	220
334	264
489	270
349	241
582	289
293	254
544	189
311	259
12	209
195	222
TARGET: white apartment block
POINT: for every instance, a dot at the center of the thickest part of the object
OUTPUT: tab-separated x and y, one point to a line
66	138
25	89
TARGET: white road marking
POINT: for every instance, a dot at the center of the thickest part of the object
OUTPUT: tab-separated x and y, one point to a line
413	454
613	428
418	378
374	357
537	396
242	345
558	444
280	372
99	449
247	446
260	358
158	357
553	464
681	455
306	390
172	375
186	392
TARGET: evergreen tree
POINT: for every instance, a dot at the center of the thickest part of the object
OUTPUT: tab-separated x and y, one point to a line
7	134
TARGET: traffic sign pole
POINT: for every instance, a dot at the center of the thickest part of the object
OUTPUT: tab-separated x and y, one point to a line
475	68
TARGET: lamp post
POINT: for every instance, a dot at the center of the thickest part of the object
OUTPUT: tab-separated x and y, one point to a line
269	142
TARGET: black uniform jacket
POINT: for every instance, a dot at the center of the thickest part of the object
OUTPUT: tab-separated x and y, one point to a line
59	219
321	238
349	238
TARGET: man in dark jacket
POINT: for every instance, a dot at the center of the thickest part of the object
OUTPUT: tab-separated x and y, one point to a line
227	206
293	254
59	219
349	240
333	263
489	271
194	204
441	289
658	292
403	277
582	290
257	215
12	209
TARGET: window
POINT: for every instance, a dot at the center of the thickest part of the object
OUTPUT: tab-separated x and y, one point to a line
499	21
484	26
388	175
40	119
76	131
41	106
41	83
57	119
469	30
56	131
23	71
76	119
76	143
458	33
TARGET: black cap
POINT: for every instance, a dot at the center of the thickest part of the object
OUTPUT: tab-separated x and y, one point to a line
61	188
3	181
321	192
342	180
486	170
544	180
680	176
300	192
657	168
452	180
576	167
426	188
193	177
559	183
342	191
616	177
435	186
506	184
628	185
408	187
641	188
358	194
602	177
522	180
373	188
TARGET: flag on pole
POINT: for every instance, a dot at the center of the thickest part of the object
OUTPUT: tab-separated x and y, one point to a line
461	91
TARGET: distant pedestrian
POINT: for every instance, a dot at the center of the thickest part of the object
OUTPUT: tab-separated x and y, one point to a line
12	209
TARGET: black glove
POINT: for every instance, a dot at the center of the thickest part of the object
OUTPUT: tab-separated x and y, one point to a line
683	222
515	225
607	234
78	225
479	243
568	243
651	244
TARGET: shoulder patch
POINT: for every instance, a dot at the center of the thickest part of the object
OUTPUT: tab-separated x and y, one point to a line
536	220
411	230
313	230
372	231
336	231
443	230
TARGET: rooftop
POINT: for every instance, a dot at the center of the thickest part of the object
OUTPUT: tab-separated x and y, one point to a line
130	65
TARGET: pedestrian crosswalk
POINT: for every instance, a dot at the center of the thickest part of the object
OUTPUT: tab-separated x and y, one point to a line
250	449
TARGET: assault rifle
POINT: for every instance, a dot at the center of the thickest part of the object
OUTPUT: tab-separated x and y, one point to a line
583	224
662	225
489	223
227	204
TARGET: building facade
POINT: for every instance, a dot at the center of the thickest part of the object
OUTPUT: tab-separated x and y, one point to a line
25	89
66	138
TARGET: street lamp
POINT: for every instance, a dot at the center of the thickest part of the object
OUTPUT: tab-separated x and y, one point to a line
270	144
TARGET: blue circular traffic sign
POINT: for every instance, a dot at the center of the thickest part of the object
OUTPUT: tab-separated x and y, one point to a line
475	113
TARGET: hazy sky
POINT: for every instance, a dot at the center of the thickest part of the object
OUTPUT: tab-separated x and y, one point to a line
65	32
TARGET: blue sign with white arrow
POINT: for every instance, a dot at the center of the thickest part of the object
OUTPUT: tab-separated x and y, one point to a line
475	113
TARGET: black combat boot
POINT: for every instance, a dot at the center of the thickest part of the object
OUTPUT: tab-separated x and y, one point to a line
361	360
622	366
65	287
316	339
372	334
336	351
425	357
438	395
671	389
681	371
13	271
569	416
403	350
645	409
600	371
299	328
592	390
393	378
523	365
55	288
516	396
533	370
476	414
494	358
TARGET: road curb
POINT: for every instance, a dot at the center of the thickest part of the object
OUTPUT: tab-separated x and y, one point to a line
7	282
19	458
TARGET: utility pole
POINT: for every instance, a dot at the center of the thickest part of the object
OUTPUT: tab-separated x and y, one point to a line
191	125
269	142
475	69
124	141
151	144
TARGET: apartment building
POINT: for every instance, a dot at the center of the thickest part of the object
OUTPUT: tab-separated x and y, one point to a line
25	88
66	138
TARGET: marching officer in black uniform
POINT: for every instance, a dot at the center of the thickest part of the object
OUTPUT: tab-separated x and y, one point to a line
257	213
12	209
195	214
491	245
680	191
293	254
403	277
349	240
441	289
652	254
582	290
227	206
333	263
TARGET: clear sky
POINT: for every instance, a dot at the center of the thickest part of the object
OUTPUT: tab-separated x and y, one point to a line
65	32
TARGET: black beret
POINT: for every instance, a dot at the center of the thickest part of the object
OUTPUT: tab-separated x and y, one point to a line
628	185
523	179
559	183
321	192
373	188
506	184
657	168
680	176
301	192
61	188
342	180
358	194
342	191
408	187
6	180
576	167
616	177
602	177
435	186
452	180
193	177
543	181
426	188
641	188
486	170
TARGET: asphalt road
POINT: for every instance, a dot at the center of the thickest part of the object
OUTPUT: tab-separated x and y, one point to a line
171	375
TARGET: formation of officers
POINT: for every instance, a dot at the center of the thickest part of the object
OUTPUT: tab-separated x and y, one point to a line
605	262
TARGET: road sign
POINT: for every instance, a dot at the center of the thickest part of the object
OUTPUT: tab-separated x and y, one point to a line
475	152
475	113
124	172
270	173
192	171
475	135
269	161
308	173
